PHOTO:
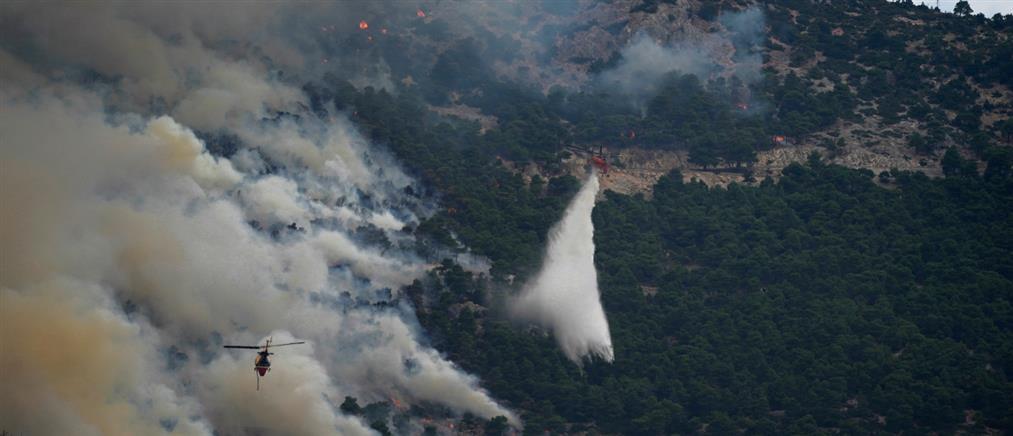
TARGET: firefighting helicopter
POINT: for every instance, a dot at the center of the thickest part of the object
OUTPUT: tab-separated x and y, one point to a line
597	158
261	364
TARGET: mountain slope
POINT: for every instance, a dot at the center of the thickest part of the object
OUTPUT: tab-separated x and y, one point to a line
814	302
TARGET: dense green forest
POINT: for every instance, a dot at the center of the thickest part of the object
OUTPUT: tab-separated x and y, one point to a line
816	303
828	300
820	302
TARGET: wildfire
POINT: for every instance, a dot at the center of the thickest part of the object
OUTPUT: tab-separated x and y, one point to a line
441	423
420	14
363	25
778	139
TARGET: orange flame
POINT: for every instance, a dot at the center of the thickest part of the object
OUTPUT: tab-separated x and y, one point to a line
778	138
420	14
363	25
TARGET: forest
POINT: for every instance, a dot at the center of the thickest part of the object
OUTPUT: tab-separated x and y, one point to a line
822	302
844	61
505	217
828	300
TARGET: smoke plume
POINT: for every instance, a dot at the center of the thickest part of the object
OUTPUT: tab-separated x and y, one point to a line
564	295
647	60
131	253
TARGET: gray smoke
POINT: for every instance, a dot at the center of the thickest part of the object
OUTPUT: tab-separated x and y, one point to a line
131	253
746	31
564	295
647	60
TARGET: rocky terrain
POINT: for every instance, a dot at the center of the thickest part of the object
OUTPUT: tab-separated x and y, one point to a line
568	48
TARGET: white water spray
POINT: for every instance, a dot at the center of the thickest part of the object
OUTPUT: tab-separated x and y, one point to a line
564	295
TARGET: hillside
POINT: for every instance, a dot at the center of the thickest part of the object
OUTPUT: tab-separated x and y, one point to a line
506	217
874	85
820	300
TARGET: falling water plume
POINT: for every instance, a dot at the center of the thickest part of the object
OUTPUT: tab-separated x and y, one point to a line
564	295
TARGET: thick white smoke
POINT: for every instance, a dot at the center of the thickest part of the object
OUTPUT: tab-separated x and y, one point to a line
564	295
129	253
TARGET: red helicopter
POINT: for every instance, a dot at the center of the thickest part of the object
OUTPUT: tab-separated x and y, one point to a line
597	158
261	364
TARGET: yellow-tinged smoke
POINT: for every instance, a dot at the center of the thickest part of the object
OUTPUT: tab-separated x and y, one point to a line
84	366
127	253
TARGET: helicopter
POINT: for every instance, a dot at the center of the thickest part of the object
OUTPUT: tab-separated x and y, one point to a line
596	158
261	364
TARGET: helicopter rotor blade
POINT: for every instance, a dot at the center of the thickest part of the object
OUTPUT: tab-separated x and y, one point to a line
246	347
288	343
